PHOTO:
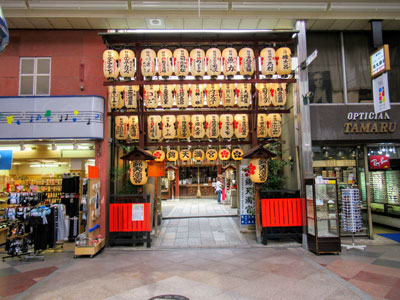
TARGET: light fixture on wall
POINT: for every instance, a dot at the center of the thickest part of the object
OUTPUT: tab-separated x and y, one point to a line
179	5
75	146
22	146
355	6
53	146
279	6
79	5
13	4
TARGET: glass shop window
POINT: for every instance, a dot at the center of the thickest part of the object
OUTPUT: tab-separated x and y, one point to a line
325	75
34	76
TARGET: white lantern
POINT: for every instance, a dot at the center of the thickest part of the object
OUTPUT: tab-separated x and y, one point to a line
182	96
127	63
212	95
213	56
229	61
258	169
166	95
197	95
212	126
164	59
228	94
150	95
284	63
168	127
241	126
130	96
181	62
268	62
110	64
134	127
148	63
138	172
246	62
197	62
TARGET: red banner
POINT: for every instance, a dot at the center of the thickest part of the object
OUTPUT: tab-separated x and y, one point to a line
378	162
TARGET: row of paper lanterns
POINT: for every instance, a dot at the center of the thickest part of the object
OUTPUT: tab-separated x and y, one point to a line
167	95
181	63
211	126
198	154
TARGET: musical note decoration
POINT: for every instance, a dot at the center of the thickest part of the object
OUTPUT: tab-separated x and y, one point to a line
75	113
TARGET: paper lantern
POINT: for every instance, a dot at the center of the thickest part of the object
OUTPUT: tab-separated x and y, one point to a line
226	126
229	61
198	154
264	99
212	126
224	154
110	64
138	172
237	154
171	174
198	131
185	155
211	154
244	94
268	61
154	128
262	125
228	94
182	96
280	94
159	154
284	61
258	169
172	155
213	58
121	127
197	62
148	63
134	127
130	96
272	92
150	96
127	63
183	126
164	59
166	95
274	125
181	62
213	98
197	95
241	126
246	62
115	96
168	127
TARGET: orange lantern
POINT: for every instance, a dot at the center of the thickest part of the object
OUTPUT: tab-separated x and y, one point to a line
197	95
172	155
246	62
258	169
212	126
244	94
166	95
185	155
229	61
197	62
213	58
183	126
110	64
198	154
130	96
121	127
211	154
212	95
150	96
148	63
228	93
181	62
224	154
274	125
241	126
127	63
168	127
138	172
284	61
262	125
198	131
226	126
134	127
182	95
164	59
154	128
268	62
159	154
280	96
115	97
237	154
264	99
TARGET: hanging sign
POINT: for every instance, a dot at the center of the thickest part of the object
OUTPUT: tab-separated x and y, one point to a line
6	157
247	211
380	87
379	162
380	61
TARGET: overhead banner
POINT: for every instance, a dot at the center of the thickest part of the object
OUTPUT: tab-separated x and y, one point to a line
54	117
6	159
247	211
380	86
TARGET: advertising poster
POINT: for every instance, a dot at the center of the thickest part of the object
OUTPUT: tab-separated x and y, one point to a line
380	87
247	213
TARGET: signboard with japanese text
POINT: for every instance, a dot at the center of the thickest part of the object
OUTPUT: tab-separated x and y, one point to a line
247	212
380	61
380	88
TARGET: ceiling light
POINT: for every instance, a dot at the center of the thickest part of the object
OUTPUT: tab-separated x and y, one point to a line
22	146
75	146
12	4
53	146
79	5
179	5
280	6
354	6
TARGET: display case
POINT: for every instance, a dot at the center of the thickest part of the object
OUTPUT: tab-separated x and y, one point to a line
323	233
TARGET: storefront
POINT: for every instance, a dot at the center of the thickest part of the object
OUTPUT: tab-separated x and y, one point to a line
360	149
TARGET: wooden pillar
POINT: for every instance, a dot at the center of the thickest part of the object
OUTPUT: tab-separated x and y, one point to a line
177	183
257	211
